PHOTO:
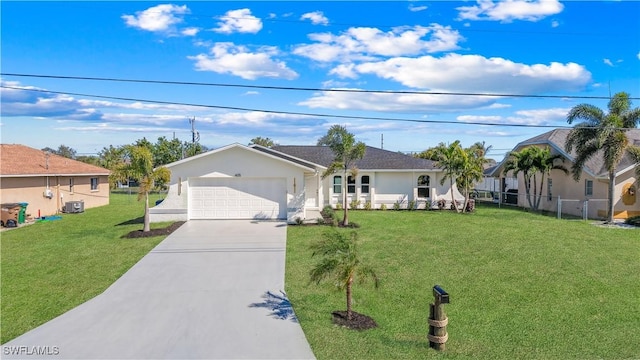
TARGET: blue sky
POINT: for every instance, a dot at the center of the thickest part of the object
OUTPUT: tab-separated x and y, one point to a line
570	50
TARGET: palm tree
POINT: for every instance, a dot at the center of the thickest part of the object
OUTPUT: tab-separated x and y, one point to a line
545	163
346	151
471	170
340	261
523	161
140	167
602	134
451	160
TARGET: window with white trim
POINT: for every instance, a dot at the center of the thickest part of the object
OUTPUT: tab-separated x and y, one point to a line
423	186
588	187
351	185
94	184
364	184
337	184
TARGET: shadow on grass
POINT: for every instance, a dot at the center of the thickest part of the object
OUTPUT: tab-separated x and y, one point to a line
135	221
279	305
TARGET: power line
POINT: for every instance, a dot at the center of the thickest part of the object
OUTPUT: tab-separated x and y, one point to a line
292	88
284	112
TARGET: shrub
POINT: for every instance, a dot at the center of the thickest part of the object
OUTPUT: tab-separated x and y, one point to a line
383	207
411	205
396	205
338	206
328	212
354	204
298	220
635	221
367	205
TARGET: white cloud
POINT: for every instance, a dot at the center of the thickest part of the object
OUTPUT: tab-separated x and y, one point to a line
240	21
417	8
638	55
390	102
521	117
316	17
555	24
191	31
364	43
227	58
509	10
475	73
608	62
157	18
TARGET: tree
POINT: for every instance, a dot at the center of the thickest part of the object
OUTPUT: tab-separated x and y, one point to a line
602	134
451	160
340	261
471	170
429	154
530	161
139	166
346	151
166	151
62	150
266	142
89	159
545	163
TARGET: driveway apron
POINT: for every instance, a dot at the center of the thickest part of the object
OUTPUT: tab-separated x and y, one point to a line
214	289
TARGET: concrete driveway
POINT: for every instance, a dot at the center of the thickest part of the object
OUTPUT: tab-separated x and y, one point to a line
211	290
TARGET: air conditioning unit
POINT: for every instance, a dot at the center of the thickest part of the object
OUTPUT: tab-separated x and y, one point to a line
74	207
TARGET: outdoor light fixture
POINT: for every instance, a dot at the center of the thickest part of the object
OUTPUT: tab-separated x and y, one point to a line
632	191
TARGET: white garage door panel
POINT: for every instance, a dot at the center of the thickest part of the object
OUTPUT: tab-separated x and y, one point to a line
237	198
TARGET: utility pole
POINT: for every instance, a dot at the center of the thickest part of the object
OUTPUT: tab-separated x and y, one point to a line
195	136
381	141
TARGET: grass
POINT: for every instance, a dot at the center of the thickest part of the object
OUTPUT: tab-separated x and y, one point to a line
49	268
522	286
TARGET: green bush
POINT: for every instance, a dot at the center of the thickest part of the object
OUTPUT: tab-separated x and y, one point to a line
367	205
396	205
383	207
634	220
354	204
338	206
412	205
328	212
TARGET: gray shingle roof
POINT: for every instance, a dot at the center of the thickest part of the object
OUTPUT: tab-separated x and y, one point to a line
595	165
374	158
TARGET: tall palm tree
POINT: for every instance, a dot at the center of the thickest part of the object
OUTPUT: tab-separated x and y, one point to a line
340	261
451	160
602	134
140	167
346	151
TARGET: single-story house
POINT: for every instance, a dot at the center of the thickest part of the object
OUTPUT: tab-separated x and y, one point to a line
591	189
47	181
285	182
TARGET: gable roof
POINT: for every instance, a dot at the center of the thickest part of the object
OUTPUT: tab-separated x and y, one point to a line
19	160
253	149
595	166
374	158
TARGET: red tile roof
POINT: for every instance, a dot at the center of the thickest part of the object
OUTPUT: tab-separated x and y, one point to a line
20	160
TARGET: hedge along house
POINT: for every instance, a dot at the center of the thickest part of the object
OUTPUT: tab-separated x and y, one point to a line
591	189
284	182
47	181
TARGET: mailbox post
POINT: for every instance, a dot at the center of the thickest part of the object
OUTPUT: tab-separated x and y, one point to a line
438	319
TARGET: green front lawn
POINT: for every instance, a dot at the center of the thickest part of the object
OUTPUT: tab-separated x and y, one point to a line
49	268
522	286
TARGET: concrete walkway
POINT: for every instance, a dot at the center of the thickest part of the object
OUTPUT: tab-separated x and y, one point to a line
210	290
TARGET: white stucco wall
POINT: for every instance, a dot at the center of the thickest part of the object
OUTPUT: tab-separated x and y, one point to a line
232	161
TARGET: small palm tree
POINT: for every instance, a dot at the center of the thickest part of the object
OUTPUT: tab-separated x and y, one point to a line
451	160
346	151
340	261
471	170
602	134
545	163
140	167
524	162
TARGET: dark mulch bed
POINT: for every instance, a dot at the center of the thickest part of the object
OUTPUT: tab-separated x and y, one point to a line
358	321
154	232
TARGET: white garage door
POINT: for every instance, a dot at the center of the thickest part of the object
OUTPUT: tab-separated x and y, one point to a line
237	198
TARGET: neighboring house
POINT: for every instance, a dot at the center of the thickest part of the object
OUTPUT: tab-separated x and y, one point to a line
591	189
47	181
284	182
